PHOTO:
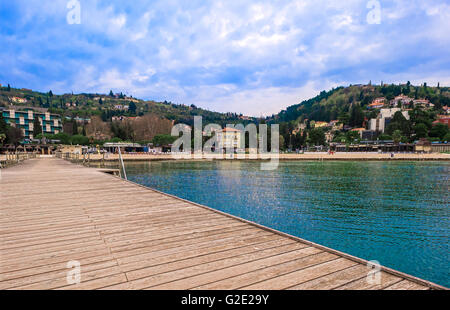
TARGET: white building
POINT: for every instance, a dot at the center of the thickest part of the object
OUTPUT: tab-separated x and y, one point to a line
229	138
383	119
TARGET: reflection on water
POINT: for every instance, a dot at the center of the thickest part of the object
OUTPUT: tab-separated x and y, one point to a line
393	212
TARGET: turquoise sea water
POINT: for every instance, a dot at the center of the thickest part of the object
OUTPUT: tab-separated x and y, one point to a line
394	212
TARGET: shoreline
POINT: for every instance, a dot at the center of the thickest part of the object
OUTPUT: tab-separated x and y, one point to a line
282	157
344	156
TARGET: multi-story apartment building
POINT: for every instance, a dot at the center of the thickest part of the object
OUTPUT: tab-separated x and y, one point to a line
229	138
50	123
383	119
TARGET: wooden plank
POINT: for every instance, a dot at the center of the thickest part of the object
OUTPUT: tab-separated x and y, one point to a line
406	285
53	212
303	275
386	280
192	277
334	280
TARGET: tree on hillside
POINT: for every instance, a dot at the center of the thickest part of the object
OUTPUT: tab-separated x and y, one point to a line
317	136
14	135
37	128
79	140
97	128
161	140
397	136
111	94
123	130
9	88
439	131
150	125
421	130
2	138
344	117
132	108
399	122
356	116
74	127
418	115
352	136
50	93
3	125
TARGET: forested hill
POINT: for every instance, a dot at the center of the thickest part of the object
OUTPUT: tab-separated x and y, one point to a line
109	105
336	103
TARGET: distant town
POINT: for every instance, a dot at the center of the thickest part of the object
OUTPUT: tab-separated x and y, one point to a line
394	118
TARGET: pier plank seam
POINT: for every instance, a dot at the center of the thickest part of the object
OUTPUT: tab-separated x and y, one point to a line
119	229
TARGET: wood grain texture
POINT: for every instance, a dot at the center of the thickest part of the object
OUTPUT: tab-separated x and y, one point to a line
126	236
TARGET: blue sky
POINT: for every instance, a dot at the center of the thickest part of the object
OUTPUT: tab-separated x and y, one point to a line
252	57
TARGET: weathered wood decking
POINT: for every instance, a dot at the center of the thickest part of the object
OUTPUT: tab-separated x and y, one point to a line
129	237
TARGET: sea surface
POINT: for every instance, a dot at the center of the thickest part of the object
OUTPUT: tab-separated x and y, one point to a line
394	212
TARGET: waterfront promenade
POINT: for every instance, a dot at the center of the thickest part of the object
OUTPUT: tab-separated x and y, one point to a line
126	236
291	156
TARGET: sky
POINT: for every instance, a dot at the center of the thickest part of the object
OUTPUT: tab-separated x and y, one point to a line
244	56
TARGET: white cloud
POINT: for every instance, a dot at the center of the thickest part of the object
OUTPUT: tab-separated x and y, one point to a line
226	55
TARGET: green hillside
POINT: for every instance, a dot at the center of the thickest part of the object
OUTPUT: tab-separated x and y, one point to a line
328	117
107	106
336	103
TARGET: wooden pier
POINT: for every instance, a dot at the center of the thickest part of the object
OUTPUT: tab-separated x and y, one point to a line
126	236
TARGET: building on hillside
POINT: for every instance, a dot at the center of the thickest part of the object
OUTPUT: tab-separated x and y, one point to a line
329	136
335	125
383	119
229	138
299	129
18	100
423	103
319	124
377	103
50	123
402	99
446	110
442	119
80	120
121	107
123	118
379	100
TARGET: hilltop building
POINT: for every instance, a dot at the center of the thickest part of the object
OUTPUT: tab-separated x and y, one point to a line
51	123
